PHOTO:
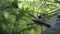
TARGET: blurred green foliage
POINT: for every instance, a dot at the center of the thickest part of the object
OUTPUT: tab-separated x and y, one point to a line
14	20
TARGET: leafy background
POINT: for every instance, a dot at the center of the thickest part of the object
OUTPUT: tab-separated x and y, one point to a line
14	20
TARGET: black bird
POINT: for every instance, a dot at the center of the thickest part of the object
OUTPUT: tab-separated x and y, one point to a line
37	20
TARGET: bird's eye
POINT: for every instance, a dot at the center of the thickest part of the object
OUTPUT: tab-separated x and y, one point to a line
58	16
